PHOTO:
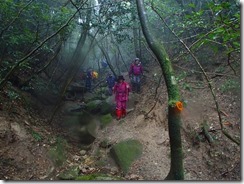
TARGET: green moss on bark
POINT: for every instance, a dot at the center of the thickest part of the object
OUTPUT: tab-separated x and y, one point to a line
174	123
176	170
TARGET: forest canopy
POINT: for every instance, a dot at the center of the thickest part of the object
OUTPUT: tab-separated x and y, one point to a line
186	47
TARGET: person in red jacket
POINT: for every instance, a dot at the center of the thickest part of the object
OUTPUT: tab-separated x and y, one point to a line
121	90
135	72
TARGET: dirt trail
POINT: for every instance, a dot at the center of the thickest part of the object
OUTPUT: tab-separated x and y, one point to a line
202	161
26	137
154	163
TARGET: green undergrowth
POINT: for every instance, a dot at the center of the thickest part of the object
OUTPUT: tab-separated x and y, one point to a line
98	176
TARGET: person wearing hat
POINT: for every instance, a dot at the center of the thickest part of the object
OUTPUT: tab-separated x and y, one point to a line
135	73
121	90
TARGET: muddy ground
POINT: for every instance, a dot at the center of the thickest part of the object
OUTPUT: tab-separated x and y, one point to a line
27	136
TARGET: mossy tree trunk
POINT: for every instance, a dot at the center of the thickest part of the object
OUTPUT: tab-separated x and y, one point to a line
174	119
135	34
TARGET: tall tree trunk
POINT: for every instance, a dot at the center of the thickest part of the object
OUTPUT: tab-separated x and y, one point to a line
135	33
78	59
120	55
174	119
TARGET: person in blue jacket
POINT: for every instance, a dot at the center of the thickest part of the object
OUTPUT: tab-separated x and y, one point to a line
110	82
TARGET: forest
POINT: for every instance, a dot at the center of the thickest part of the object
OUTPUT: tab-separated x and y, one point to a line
65	63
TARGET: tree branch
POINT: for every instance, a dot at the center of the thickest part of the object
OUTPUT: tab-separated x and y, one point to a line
206	77
19	62
17	16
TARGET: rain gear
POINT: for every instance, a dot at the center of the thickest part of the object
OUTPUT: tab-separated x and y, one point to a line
110	82
121	91
136	71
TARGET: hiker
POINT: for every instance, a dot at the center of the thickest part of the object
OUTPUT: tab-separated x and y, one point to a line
121	90
88	80
110	82
104	64
94	75
135	74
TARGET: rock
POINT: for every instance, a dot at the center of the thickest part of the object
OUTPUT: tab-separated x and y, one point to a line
105	120
106	108
76	157
19	131
130	110
97	176
82	127
139	121
110	100
133	177
69	174
105	144
114	169
94	106
87	134
82	152
160	141
103	96
70	106
125	153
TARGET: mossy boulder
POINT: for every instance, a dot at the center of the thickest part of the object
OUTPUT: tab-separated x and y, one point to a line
94	106
99	106
57	152
98	176
101	93
69	108
110	100
125	153
105	120
70	174
82	127
73	119
106	108
86	134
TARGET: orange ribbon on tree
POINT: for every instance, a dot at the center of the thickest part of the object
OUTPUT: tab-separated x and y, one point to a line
179	106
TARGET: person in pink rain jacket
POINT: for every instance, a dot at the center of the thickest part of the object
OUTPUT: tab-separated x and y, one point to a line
121	90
